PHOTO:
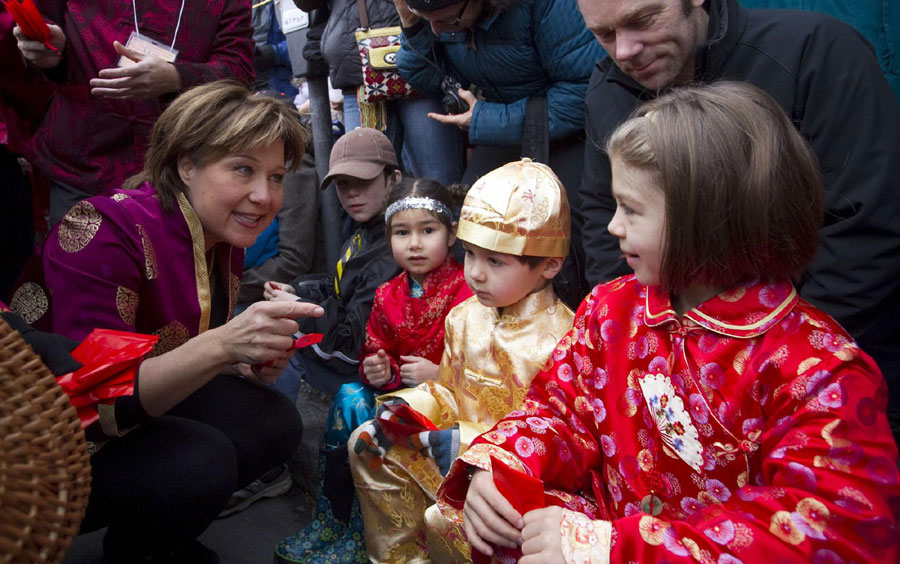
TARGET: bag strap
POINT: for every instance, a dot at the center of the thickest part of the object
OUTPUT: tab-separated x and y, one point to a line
363	15
536	130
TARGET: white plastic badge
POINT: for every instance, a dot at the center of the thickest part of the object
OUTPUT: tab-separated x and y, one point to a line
147	46
292	17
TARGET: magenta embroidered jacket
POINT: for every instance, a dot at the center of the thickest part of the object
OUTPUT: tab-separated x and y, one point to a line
93	143
122	262
748	430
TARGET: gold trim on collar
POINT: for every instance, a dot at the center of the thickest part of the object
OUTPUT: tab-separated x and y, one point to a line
654	316
201	274
773	314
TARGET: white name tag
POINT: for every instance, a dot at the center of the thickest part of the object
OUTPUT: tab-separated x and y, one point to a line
292	18
147	46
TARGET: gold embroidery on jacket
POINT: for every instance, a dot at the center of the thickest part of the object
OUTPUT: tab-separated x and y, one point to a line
201	272
78	227
127	302
30	302
151	269
172	336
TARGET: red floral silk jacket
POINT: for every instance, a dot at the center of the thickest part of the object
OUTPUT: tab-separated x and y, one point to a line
402	325
750	429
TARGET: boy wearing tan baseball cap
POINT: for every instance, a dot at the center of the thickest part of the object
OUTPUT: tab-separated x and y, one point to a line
363	168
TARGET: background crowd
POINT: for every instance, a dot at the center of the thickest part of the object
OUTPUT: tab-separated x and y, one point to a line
160	179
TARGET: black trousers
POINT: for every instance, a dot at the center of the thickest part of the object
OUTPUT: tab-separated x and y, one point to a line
16	223
158	487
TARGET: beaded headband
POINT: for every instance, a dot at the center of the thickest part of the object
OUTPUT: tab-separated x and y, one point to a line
417	203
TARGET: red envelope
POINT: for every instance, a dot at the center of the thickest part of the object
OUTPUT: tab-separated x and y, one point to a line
109	365
523	491
30	21
398	432
304	341
308	339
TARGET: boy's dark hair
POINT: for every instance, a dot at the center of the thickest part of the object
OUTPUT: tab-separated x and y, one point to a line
529	260
743	191
451	196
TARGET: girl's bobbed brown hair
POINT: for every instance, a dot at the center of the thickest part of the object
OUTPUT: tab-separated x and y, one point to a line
743	190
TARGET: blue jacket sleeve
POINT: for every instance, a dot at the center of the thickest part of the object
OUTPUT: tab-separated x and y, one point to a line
418	42
567	52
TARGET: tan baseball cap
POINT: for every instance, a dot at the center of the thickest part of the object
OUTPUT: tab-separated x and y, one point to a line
362	153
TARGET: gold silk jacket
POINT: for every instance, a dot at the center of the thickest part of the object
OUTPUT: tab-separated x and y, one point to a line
489	361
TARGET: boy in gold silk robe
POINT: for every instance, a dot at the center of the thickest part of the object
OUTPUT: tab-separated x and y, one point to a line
515	228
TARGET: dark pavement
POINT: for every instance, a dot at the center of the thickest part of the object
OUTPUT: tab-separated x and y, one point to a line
248	537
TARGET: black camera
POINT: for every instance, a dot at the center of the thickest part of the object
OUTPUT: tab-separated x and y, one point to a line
452	101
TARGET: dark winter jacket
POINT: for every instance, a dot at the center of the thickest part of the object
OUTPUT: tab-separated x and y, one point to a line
339	37
523	48
877	20
347	294
825	77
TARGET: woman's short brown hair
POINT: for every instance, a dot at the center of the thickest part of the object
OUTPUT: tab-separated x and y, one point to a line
210	122
743	191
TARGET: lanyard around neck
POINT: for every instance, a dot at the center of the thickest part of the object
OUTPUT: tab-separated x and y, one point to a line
177	24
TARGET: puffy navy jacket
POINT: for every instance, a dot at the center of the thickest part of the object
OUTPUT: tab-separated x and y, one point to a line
523	48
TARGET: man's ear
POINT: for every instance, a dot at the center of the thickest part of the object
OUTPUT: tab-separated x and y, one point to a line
396	177
186	168
552	266
452	238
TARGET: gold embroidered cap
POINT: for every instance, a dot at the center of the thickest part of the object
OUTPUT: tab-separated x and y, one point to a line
519	209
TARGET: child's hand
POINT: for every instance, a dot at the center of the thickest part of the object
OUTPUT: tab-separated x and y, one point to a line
372	444
377	368
488	517
542	543
416	370
283	296
269	289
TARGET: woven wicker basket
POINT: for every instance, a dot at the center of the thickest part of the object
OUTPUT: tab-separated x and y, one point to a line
45	472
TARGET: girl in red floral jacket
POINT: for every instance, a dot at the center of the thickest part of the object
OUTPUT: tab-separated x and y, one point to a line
699	410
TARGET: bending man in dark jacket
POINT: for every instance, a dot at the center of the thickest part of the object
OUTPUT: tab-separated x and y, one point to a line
825	77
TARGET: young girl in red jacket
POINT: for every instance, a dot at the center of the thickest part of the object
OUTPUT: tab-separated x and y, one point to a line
699	410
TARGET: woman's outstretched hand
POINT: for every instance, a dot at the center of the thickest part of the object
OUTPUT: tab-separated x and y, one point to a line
263	332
